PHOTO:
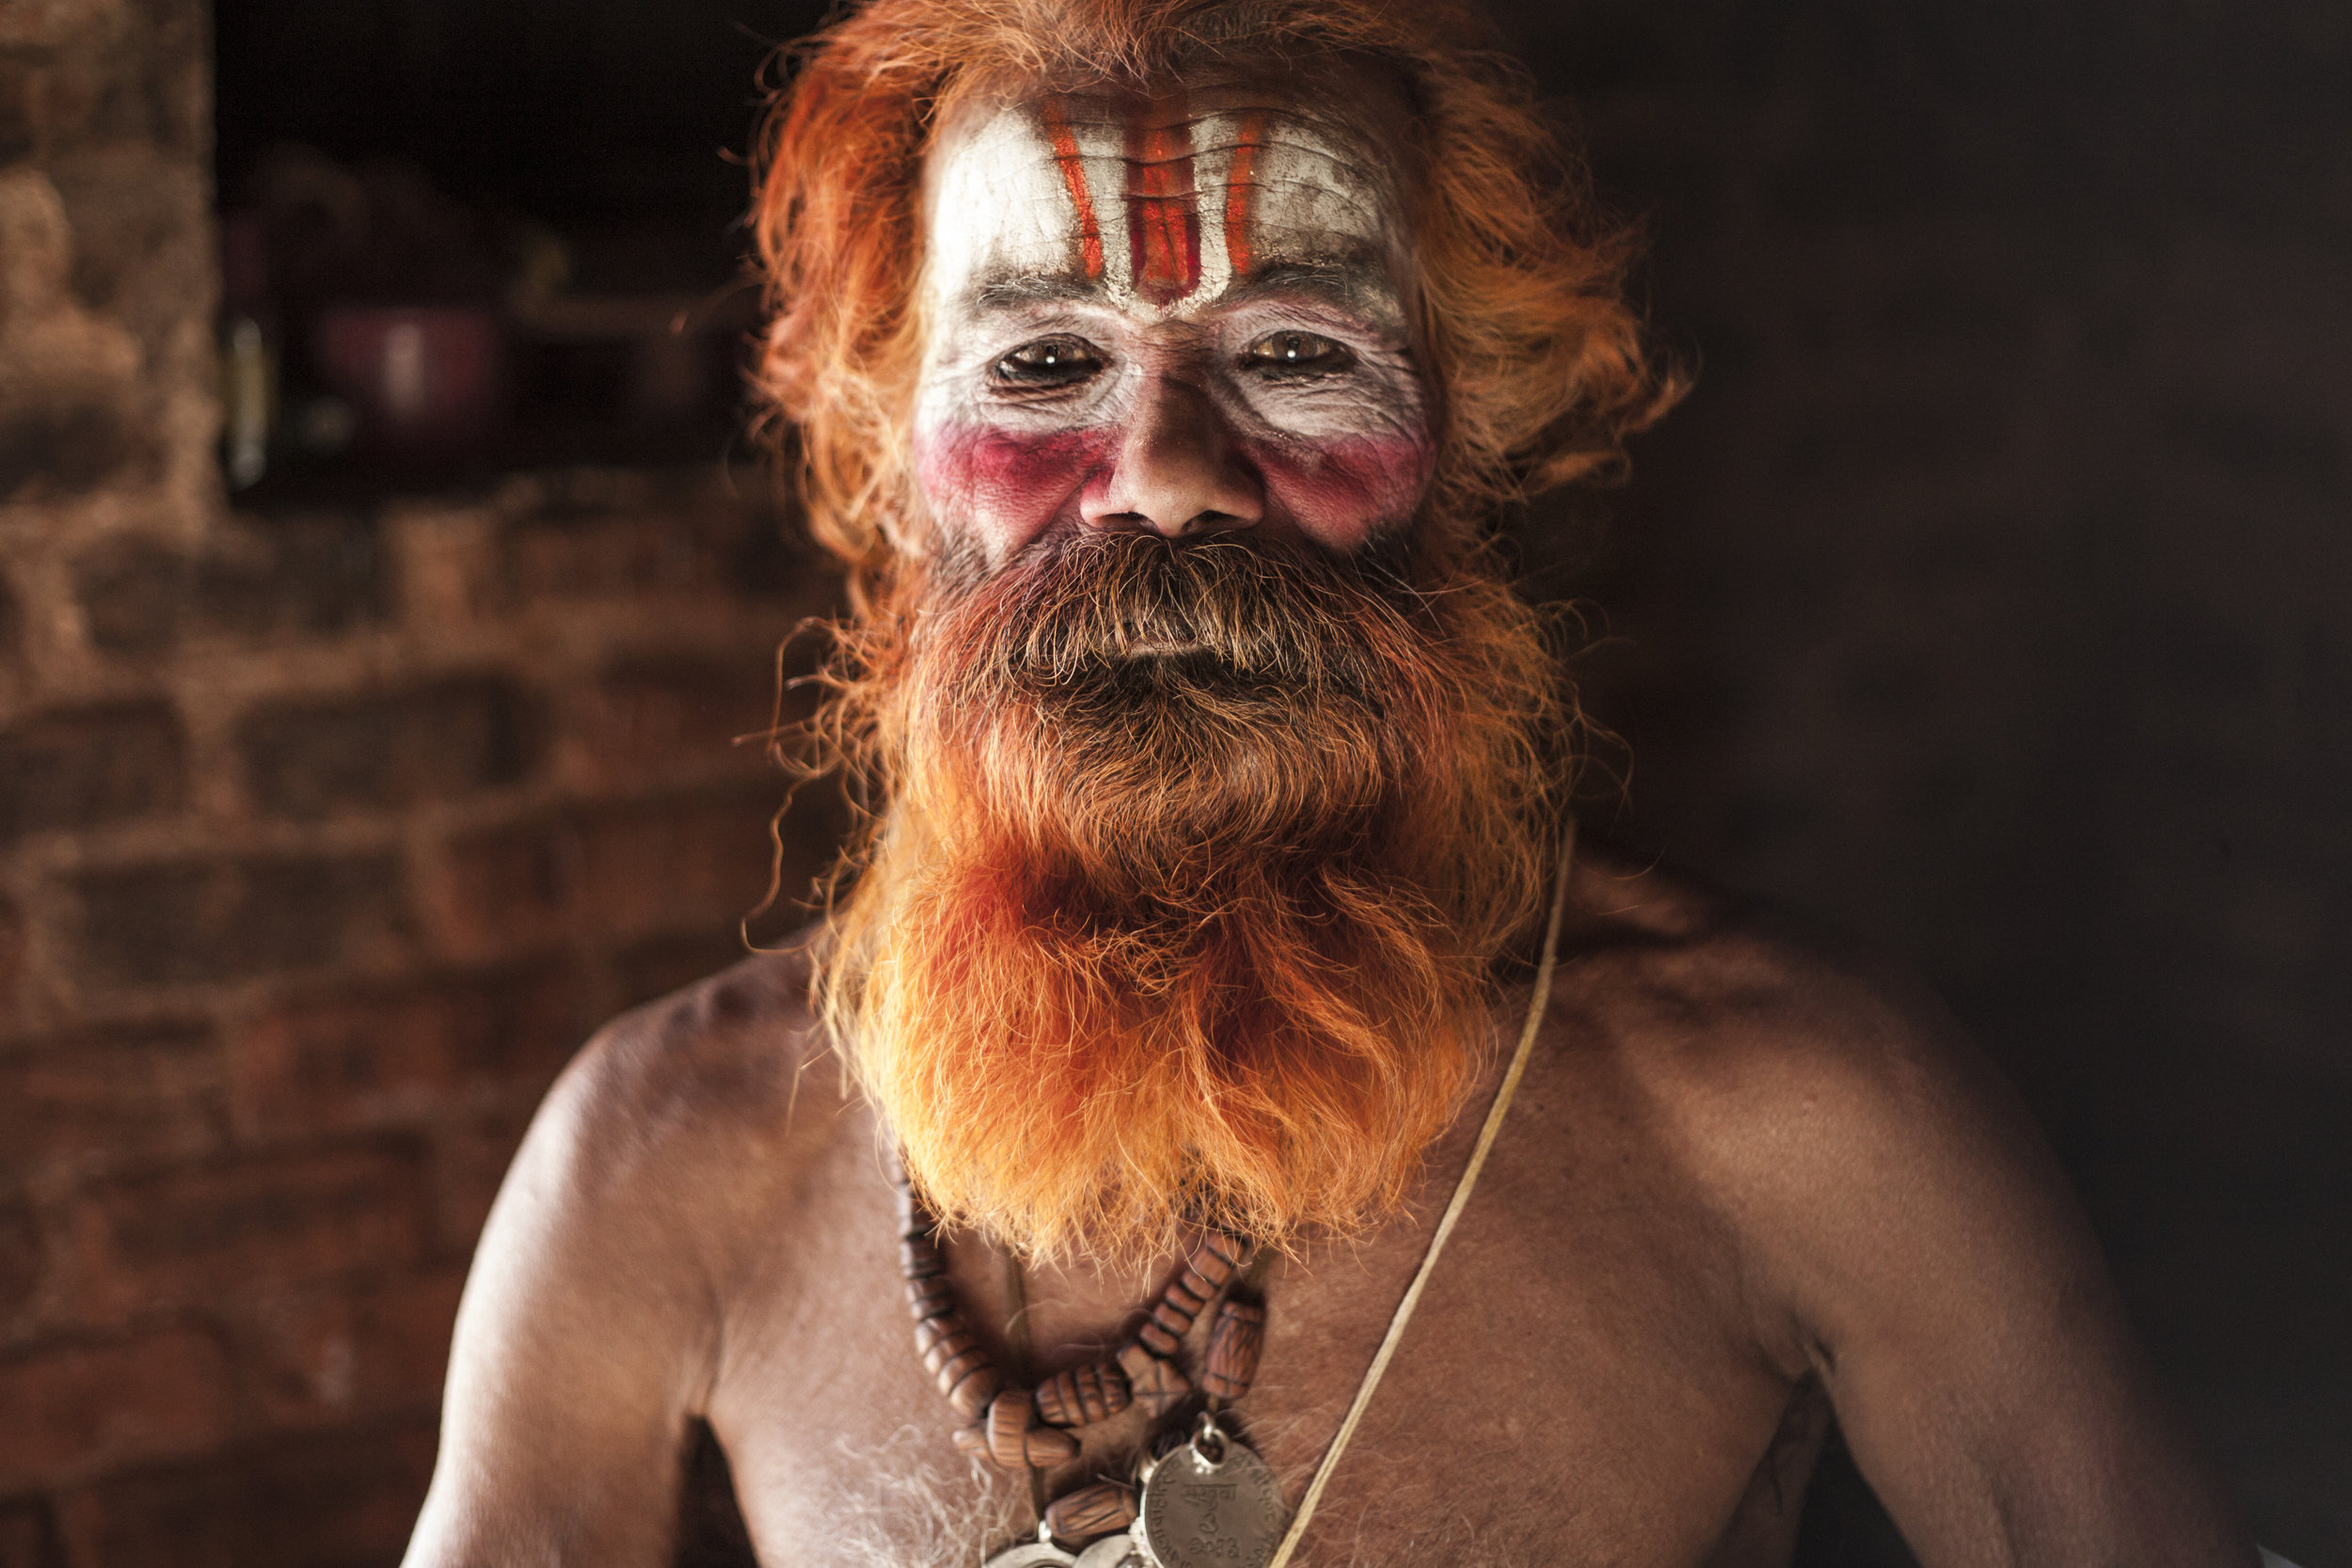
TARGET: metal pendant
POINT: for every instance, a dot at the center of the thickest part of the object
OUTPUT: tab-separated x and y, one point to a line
1213	1503
1040	1553
1115	1551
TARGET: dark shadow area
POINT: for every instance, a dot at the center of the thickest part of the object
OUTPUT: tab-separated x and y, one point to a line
710	1527
1844	1525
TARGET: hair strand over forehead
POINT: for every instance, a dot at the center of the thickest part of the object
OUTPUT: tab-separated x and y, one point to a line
1539	362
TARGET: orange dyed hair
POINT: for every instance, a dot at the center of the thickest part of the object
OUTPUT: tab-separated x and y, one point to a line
1538	362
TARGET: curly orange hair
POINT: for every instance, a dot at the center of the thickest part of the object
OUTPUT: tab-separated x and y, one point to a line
1538	361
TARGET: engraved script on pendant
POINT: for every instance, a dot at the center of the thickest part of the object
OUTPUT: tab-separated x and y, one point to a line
1197	1515
1115	1551
1031	1554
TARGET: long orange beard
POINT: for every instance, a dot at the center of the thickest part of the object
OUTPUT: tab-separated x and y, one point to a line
1196	864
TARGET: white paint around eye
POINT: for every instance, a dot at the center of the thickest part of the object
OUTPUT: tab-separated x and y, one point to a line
997	202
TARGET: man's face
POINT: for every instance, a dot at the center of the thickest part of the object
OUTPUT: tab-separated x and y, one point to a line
1181	313
1212	794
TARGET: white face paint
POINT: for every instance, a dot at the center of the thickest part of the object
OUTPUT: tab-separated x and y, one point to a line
1177	312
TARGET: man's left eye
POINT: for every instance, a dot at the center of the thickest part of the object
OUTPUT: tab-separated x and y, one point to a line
1296	353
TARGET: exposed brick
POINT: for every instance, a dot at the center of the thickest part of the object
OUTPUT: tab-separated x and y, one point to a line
698	859
74	1408
653	719
431	742
346	1500
379	1054
469	1161
221	1232
656	968
46	23
35	244
310	575
84	1101
139	236
65	450
22	1257
509	885
88	767
610	535
174	923
17	135
11	956
329	1355
28	1535
11	627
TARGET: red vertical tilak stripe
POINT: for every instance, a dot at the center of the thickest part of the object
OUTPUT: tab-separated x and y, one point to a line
1163	211
1241	192
1073	174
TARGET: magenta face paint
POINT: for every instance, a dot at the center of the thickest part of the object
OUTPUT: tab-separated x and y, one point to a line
1182	311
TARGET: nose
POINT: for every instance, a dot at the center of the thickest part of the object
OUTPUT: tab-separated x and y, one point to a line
1178	469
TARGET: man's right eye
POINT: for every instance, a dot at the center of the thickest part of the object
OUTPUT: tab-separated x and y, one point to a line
1047	363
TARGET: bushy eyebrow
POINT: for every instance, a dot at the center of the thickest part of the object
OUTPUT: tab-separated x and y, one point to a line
1012	291
1359	286
1362	286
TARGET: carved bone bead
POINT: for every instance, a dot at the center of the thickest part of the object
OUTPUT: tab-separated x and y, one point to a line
1010	1419
919	1259
1172	1317
934	1330
1046	1447
1091	1511
913	1219
1235	1340
1218	1258
1094	1392
976	1384
930	1296
1016	1441
1158	1384
971	1441
940	1341
1188	1291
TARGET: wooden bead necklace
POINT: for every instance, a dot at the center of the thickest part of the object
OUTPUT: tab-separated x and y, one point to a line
1210	1502
1026	1430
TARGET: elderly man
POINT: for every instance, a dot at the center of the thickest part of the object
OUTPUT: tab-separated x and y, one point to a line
1300	1154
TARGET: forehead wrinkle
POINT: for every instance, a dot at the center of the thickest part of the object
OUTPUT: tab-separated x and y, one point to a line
1303	171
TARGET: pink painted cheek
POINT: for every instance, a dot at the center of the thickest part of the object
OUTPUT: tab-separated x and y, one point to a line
1340	492
1005	487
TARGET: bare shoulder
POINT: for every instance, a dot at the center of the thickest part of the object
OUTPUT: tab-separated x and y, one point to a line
724	1080
1701	997
680	1121
1819	1104
594	1317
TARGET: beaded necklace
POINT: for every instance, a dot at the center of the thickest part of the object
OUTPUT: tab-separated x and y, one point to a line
1210	1502
1025	1429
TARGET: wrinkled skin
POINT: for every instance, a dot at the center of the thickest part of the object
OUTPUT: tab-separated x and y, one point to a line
1242	362
1741	1186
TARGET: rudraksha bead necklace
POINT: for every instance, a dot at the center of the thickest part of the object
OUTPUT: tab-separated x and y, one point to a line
1212	1502
1021	1429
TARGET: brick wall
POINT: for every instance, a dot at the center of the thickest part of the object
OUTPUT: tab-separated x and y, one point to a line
327	833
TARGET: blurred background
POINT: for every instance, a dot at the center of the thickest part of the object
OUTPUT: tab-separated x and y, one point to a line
385	576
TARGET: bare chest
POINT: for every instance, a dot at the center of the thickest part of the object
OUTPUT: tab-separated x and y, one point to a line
1575	1389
